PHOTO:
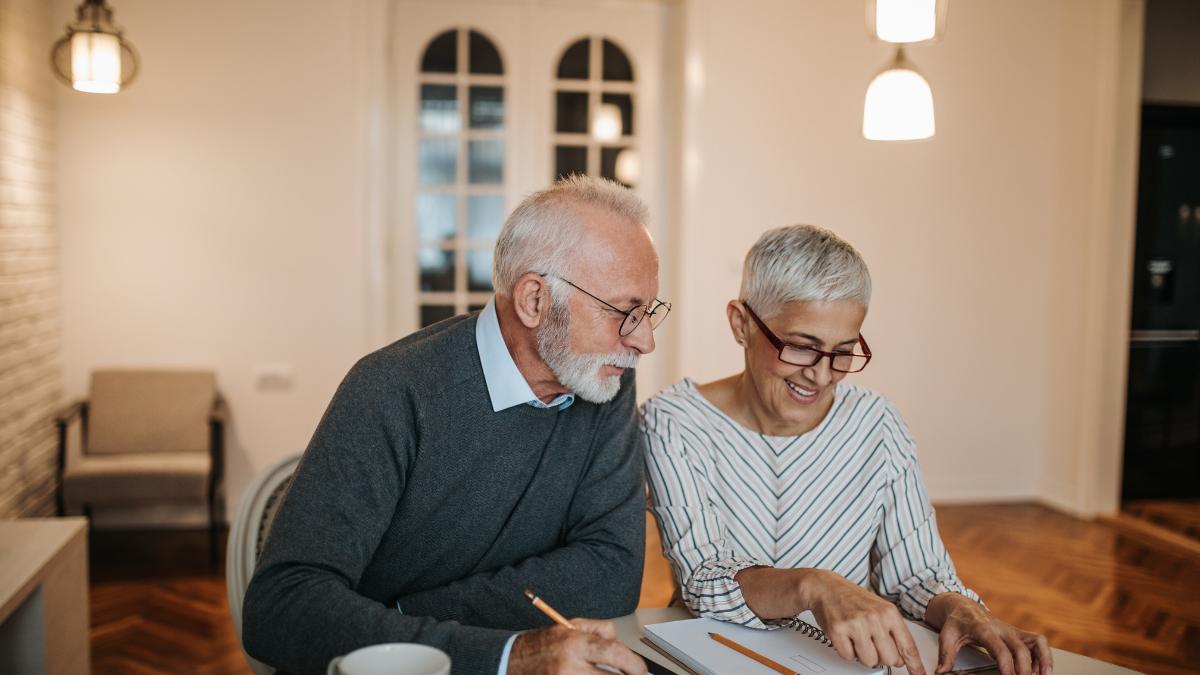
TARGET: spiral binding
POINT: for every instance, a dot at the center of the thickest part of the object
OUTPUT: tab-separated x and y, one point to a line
809	630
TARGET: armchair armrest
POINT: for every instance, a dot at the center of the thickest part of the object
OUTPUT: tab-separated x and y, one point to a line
220	411
77	408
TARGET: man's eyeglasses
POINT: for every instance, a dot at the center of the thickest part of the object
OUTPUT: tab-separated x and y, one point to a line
633	317
803	355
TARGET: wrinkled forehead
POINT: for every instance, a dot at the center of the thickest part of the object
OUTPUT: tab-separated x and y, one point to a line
615	253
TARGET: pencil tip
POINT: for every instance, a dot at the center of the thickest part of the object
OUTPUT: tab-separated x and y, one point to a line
529	594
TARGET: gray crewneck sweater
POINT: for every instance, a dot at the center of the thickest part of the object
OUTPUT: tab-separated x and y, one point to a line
413	490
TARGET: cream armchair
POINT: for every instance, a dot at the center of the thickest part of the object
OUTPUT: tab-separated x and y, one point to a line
144	438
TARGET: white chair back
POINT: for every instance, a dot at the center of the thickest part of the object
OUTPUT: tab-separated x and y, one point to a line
247	532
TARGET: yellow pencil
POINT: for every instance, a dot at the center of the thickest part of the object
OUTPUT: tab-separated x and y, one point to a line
548	610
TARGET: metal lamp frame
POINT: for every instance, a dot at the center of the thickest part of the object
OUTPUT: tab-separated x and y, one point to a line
92	16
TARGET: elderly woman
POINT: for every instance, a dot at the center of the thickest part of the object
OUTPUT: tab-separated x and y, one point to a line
781	489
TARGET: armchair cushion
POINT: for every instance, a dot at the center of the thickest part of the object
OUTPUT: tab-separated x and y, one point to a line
114	480
150	411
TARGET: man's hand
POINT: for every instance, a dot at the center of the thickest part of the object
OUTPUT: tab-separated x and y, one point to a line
556	650
860	624
964	621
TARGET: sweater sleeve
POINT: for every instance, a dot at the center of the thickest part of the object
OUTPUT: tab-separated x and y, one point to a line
909	563
693	533
301	609
604	542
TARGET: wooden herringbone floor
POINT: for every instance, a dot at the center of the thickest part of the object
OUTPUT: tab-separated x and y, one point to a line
1089	589
1177	515
158	608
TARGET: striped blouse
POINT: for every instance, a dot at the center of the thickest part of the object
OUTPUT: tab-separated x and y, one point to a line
847	496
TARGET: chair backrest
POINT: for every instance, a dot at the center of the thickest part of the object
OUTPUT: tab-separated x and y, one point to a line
247	532
136	411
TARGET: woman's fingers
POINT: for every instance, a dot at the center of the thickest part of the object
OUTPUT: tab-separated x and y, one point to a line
909	654
1043	658
1022	658
864	649
998	651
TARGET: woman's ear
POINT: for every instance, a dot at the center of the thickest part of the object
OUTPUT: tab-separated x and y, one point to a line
738	321
531	299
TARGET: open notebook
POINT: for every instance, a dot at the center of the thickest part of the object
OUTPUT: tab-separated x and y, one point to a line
689	642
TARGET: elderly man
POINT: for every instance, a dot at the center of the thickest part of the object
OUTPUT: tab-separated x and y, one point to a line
479	457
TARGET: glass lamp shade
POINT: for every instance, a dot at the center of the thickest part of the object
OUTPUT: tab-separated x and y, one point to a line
607	126
94	56
906	21
629	167
96	63
899	104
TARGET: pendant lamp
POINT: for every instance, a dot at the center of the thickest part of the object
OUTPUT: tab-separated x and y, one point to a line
899	104
906	21
608	126
94	56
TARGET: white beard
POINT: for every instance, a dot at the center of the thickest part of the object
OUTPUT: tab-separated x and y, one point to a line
579	373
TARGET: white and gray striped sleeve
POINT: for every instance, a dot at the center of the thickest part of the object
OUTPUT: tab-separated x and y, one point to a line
909	563
693	534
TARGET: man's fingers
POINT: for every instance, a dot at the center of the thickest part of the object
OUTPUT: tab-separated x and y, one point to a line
618	656
603	629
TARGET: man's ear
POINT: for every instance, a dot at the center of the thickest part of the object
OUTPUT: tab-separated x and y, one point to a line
531	299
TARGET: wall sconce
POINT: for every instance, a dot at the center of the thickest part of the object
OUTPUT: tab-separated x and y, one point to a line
899	104
93	56
906	21
607	127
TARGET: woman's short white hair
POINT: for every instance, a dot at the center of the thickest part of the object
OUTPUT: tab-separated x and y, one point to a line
545	230
802	263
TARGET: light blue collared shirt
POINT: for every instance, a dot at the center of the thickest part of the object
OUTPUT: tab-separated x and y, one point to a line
506	388
505	384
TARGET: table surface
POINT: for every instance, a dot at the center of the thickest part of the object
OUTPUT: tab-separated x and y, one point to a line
26	546
629	632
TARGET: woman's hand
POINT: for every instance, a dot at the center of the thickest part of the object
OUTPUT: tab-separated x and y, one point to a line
963	621
860	624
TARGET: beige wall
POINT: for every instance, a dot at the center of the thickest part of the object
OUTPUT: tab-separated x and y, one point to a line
30	319
966	234
212	213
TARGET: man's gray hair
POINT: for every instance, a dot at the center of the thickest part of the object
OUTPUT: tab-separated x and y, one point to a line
802	263
545	230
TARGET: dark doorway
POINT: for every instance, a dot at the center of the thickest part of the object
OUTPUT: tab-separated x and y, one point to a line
1162	430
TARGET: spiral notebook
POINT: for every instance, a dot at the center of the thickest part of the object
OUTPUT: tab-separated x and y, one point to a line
803	649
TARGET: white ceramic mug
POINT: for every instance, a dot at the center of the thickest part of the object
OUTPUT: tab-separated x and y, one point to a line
400	658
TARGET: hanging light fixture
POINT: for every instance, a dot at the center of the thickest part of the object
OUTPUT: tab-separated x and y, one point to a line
899	104
906	21
628	168
607	127
94	56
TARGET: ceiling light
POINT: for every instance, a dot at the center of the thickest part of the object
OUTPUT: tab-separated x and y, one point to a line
93	56
607	127
906	21
899	104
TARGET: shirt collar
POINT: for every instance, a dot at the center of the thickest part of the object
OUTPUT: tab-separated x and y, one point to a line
505	384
